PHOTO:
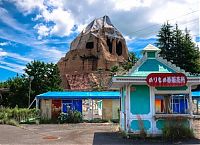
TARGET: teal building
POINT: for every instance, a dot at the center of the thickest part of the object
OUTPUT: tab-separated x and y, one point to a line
152	92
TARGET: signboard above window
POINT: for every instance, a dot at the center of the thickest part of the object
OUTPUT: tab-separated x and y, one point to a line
166	79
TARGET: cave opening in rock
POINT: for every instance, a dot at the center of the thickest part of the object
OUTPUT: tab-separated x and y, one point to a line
109	43
90	45
119	48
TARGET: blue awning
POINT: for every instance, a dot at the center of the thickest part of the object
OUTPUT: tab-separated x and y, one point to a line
80	95
196	94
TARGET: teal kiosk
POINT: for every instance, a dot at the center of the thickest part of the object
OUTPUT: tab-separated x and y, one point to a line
153	91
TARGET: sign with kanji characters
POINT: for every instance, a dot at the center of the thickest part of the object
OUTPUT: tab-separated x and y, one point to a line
166	79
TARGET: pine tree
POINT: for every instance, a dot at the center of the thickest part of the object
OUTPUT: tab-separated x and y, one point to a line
179	48
192	54
165	40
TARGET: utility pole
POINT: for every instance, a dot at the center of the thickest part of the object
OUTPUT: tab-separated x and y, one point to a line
29	92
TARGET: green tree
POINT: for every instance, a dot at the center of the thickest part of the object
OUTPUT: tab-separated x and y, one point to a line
114	69
132	59
46	77
178	47
165	41
17	93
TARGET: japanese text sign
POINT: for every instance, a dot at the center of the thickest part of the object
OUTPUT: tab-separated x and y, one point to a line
166	79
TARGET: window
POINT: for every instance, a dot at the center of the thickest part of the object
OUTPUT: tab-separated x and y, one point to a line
90	45
179	104
171	104
159	103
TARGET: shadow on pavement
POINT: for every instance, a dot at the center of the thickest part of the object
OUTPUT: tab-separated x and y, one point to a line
114	138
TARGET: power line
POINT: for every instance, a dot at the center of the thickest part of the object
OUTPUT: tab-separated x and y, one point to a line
159	24
143	34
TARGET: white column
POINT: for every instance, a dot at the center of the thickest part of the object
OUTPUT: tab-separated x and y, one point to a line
92	108
190	105
89	111
152	105
127	107
190	100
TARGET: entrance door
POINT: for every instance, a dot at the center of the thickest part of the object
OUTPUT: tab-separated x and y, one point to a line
66	107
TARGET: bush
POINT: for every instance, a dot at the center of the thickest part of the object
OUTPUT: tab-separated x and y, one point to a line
114	120
72	116
12	122
18	114
96	120
177	130
48	121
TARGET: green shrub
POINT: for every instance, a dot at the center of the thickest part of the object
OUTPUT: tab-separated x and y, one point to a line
96	120
72	116
176	130
12	122
18	114
48	121
114	120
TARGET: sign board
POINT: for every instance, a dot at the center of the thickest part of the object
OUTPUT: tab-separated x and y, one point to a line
166	79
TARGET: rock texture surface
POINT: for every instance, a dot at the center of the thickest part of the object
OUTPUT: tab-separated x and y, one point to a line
98	47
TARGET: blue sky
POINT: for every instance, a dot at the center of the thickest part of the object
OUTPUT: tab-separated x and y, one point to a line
43	29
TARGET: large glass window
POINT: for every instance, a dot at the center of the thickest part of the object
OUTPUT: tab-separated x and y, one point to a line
171	104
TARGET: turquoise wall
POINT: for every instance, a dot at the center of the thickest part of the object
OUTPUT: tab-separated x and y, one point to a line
161	123
137	126
140	99
154	65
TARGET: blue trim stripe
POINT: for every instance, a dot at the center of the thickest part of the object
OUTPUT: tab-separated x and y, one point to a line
196	94
80	95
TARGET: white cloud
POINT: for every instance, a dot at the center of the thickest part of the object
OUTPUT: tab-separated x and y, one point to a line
127	15
42	30
62	19
12	67
2	53
14	55
28	6
127	5
7	19
128	38
39	49
4	44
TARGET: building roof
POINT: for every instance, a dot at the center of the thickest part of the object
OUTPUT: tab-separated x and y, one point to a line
196	94
80	95
151	62
151	66
150	47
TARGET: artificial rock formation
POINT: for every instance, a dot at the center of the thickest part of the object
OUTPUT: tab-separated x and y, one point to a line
98	47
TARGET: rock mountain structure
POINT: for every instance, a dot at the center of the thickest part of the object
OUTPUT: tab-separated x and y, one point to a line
92	53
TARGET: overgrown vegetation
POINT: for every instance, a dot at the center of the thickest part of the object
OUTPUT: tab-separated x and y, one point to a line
121	69
72	116
177	46
176	129
18	115
96	120
46	78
